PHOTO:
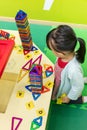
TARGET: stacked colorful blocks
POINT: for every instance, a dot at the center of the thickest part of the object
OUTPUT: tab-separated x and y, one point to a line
24	30
35	75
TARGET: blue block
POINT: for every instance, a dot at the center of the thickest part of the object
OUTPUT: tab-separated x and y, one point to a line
20	15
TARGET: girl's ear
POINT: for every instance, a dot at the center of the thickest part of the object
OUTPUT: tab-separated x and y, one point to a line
58	54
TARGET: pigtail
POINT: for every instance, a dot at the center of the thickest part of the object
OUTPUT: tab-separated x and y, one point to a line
80	53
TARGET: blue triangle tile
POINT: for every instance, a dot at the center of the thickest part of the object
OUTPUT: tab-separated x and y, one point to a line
28	87
48	73
33	48
36	95
38	120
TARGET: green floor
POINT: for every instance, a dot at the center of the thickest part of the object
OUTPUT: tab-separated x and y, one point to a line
61	117
64	117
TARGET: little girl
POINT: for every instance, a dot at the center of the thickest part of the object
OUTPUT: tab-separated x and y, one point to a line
68	72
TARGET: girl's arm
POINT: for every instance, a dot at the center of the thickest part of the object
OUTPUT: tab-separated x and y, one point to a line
77	85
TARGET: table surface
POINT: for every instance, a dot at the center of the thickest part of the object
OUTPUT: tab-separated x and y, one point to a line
21	108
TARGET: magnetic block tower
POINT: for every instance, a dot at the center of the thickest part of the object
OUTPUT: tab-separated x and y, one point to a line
24	30
35	75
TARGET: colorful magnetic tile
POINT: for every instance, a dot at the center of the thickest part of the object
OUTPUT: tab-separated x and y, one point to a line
34	48
46	66
26	41
37	52
20	15
12	37
44	89
4	34
28	87
22	74
22	22
34	71
28	56
38	120
23	25
26	52
36	91
37	70
48	73
33	78
27	66
25	30
59	101
20	94
37	87
37	60
40	112
50	68
34	126
35	95
20	51
25	34
30	105
35	82
16	119
49	84
28	80
16	47
44	74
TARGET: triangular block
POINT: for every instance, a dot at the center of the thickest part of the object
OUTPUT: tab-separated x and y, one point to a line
28	65
28	87
45	89
37	60
36	69
34	126
36	95
48	73
26	51
50	68
46	66
33	48
14	120
22	74
39	68
38	120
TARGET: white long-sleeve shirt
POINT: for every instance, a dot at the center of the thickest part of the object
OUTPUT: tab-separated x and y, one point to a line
72	82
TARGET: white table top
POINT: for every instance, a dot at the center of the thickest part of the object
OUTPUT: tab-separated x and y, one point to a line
25	110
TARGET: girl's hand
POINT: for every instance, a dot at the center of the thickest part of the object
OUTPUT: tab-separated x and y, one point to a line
65	99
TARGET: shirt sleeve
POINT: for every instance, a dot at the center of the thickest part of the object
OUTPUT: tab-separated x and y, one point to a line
77	84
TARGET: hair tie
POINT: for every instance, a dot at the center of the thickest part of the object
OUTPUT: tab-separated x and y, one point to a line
77	44
77	39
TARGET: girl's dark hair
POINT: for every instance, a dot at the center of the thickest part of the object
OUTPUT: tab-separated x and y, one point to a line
63	38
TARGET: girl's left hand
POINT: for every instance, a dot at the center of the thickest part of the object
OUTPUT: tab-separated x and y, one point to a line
65	99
